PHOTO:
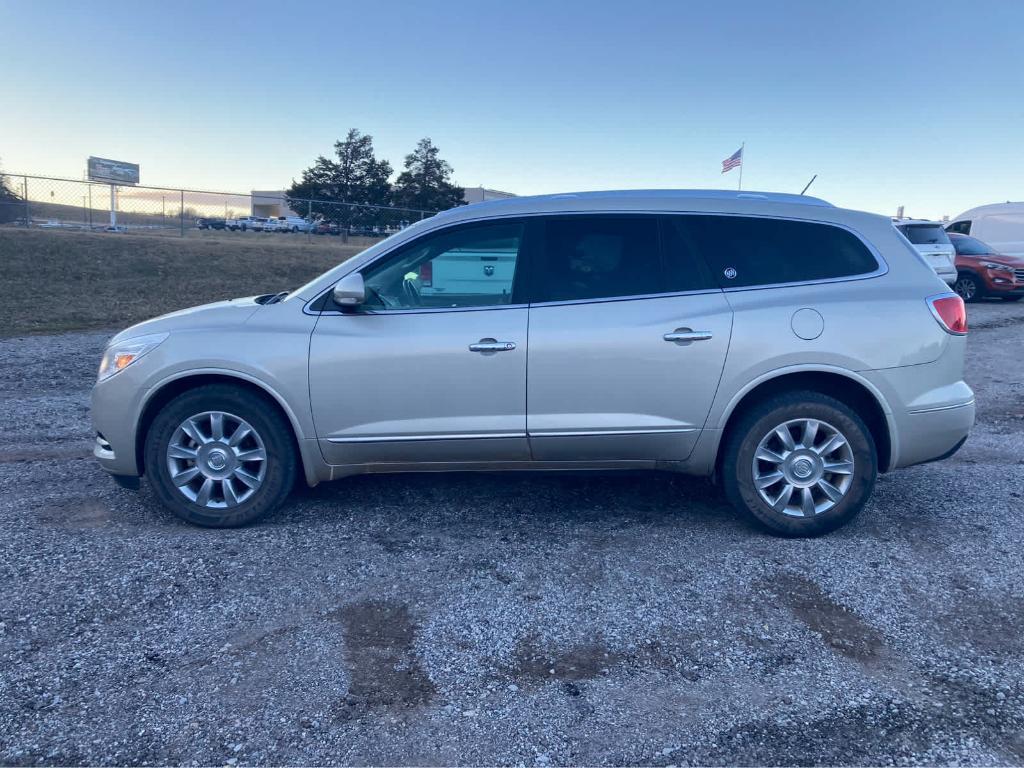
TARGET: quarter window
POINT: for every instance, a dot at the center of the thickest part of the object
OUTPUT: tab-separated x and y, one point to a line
745	251
598	257
471	266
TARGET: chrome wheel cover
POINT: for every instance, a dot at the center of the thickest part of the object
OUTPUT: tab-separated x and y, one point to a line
216	460
803	467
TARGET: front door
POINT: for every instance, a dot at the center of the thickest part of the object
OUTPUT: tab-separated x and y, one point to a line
627	342
432	369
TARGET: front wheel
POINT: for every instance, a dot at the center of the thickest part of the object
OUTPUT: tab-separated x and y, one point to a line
801	464
968	286
220	456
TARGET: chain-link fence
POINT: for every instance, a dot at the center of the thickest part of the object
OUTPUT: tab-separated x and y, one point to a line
51	203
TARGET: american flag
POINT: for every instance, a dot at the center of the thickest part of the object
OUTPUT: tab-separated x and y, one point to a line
733	160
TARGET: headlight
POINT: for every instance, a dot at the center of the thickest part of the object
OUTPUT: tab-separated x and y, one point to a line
119	356
996	267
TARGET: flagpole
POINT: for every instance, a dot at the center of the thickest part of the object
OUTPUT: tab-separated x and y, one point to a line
742	158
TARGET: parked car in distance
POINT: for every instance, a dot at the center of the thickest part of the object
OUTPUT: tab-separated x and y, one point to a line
245	223
208	223
275	224
787	348
1001	225
298	224
931	241
982	272
326	228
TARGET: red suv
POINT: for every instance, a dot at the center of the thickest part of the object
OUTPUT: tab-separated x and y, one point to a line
981	272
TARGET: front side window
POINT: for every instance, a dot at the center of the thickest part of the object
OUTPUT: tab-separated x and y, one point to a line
746	251
962	227
471	266
598	257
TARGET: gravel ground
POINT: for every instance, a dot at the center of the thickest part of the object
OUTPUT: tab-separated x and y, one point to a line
479	619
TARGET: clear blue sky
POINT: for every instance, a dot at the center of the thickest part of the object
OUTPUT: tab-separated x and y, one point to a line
919	103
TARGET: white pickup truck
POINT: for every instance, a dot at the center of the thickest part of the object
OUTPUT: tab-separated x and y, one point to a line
287	224
246	222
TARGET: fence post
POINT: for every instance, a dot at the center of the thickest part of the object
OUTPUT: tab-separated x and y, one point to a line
309	221
181	213
24	188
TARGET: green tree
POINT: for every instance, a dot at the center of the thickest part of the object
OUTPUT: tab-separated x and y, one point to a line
12	205
355	176
426	184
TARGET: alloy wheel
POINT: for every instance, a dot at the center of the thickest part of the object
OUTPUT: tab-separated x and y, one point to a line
216	460
966	287
803	467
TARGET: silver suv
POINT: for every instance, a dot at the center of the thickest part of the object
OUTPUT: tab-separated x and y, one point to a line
790	349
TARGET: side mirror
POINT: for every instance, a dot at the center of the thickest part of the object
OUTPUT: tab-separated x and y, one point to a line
350	291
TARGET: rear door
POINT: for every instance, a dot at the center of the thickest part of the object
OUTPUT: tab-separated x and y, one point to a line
628	337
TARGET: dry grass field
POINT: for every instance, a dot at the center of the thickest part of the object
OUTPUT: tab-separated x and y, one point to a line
60	281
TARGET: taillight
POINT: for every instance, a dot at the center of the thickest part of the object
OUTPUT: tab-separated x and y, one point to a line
950	312
427	274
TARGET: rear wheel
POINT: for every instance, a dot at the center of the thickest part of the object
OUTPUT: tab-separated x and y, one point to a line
968	286
801	464
220	456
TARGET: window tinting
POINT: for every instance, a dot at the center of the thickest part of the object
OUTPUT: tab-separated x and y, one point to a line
596	257
745	251
924	234
465	267
971	246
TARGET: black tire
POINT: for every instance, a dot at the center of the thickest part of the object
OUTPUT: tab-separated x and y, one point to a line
758	422
262	415
1013	298
969	287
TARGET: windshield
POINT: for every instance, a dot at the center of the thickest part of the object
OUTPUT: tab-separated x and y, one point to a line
971	246
925	234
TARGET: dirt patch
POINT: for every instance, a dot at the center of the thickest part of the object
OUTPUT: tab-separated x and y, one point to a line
840	628
583	662
75	513
382	665
75	451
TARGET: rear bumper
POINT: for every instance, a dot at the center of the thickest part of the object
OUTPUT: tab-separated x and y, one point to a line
934	434
930	407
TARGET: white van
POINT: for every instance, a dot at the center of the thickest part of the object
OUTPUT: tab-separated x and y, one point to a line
1001	225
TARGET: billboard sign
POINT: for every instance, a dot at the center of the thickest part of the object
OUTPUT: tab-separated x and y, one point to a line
112	171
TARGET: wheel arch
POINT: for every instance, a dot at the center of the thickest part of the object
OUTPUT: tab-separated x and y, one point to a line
172	388
843	385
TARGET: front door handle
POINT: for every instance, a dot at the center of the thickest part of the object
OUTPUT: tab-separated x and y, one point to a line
684	336
490	345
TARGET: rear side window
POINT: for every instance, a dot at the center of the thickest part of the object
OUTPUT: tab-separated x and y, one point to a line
745	251
598	257
924	234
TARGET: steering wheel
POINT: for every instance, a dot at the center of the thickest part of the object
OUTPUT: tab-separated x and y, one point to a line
411	292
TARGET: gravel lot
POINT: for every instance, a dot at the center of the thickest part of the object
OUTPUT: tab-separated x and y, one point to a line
507	619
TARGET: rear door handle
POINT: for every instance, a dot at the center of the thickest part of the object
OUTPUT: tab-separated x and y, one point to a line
490	345
684	336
